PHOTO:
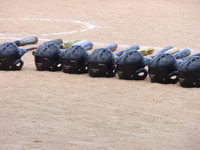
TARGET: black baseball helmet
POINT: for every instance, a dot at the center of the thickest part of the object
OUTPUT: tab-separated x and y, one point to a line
47	57
101	63
10	58
130	66
189	72
74	60
163	69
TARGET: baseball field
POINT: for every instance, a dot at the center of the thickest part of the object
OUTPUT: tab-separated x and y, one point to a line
44	110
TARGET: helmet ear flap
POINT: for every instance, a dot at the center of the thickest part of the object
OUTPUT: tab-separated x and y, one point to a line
189	79
163	76
73	66
137	76
10	64
131	73
17	65
125	72
96	69
57	66
189	72
112	71
171	77
49	64
197	82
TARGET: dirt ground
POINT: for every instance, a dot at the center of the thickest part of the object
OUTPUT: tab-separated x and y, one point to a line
59	111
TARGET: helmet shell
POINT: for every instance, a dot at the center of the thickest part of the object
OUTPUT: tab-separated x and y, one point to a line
133	58
47	57
189	72
162	69
10	50
10	59
164	61
101	63
74	60
48	50
102	55
75	52
130	64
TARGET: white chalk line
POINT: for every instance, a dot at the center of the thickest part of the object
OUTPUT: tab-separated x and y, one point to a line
87	25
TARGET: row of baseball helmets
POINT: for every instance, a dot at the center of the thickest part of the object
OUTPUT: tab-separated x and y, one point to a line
131	65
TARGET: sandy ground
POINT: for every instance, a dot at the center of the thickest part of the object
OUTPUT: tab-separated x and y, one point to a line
59	111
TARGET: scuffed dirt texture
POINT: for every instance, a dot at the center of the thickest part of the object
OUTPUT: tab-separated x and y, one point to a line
54	110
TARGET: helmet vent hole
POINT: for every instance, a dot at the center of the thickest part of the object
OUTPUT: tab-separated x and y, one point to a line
158	60
125	57
73	51
49	45
188	63
6	47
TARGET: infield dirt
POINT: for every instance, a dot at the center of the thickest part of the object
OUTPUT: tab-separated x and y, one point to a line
58	111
